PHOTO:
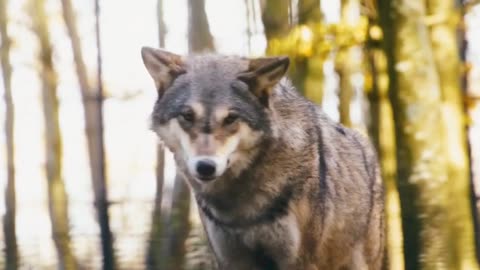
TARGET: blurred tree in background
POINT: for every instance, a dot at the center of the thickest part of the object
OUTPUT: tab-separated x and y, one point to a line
155	252
421	160
443	25
57	196
347	62
432	162
11	252
308	70
382	132
92	99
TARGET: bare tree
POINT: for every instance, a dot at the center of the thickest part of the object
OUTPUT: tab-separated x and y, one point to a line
9	231
445	50
248	17
92	98
420	136
199	36
308	72
348	62
275	14
155	254
309	11
472	97
382	133
57	197
178	225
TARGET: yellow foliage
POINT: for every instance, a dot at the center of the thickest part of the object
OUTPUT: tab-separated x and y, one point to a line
376	32
319	39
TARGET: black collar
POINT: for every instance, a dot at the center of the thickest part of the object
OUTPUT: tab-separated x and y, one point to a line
276	209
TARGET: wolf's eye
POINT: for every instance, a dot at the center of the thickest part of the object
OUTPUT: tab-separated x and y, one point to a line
187	116
230	119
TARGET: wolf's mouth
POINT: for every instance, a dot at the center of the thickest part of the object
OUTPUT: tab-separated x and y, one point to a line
206	178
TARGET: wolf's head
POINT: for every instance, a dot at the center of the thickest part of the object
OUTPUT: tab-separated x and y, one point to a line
212	111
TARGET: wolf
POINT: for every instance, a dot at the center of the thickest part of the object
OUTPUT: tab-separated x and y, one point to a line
278	184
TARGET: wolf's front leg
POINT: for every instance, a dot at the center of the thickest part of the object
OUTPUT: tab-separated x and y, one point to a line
229	252
358	259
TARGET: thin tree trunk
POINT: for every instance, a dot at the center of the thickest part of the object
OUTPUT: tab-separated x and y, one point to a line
422	170
157	231
275	19
383	134
309	11
178	225
199	36
162	29
99	181
11	252
154	253
348	62
443	35
57	197
472	97
307	73
248	16
92	102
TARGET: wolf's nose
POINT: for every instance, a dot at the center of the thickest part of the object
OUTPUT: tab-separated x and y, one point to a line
206	169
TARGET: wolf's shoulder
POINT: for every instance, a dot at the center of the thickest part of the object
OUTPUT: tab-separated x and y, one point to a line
345	145
338	135
296	109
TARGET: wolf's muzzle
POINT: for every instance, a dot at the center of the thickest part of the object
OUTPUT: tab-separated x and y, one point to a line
206	169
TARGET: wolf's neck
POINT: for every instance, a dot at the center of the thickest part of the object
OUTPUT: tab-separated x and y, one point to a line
276	208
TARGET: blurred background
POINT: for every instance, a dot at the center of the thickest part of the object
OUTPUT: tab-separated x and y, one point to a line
86	185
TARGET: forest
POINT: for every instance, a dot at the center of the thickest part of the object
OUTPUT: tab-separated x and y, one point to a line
86	184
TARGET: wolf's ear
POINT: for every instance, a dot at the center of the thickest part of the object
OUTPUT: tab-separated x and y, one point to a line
163	66
263	74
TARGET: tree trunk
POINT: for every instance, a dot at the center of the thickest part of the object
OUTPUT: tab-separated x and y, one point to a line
443	34
199	36
155	254
99	179
309	11
248	17
92	102
417	109
383	135
472	98
275	19
157	232
348	62
307	73
57	197
178	225
162	29
11	252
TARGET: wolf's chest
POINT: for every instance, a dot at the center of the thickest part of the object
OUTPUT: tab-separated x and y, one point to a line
266	246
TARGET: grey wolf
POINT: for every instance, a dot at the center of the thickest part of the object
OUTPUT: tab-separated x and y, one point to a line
279	185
